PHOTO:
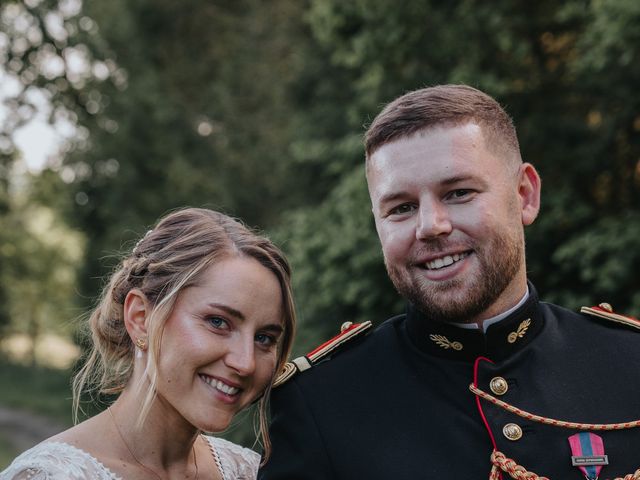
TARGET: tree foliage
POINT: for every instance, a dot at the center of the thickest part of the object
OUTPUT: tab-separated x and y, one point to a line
565	72
257	109
39	256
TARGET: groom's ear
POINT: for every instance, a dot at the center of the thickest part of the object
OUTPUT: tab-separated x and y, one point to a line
529	192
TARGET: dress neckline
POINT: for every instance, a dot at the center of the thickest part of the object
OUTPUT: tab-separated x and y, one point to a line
97	463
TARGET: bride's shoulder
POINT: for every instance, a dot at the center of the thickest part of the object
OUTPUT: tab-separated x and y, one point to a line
235	461
50	460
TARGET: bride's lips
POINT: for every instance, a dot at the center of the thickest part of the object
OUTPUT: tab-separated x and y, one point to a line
226	390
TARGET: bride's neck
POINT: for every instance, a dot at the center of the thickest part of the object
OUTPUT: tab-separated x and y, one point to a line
163	438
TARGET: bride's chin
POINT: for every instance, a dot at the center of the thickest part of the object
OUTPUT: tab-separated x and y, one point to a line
214	425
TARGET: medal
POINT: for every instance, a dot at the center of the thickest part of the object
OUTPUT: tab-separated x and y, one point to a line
588	454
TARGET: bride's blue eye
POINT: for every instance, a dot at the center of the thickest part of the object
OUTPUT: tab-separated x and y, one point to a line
218	322
266	340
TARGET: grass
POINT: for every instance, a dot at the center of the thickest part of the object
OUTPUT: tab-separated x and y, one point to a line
41	390
7	452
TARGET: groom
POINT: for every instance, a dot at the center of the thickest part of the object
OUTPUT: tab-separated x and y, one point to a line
478	375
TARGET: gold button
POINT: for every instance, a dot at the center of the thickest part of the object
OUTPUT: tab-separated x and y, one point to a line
345	325
606	306
498	386
512	431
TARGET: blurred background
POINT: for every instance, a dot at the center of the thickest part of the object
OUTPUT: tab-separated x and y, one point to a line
114	112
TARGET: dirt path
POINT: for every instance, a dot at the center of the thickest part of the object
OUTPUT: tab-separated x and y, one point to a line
24	429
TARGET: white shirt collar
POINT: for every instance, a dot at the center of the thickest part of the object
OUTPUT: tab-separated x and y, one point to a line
490	321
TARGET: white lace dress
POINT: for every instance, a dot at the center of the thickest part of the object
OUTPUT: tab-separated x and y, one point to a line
58	461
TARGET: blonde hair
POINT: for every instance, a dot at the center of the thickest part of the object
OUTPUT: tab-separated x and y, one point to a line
168	259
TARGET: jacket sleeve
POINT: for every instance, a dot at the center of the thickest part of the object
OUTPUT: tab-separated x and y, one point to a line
299	451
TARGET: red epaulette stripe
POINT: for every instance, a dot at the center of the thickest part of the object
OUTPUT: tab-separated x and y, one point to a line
349	331
606	313
345	332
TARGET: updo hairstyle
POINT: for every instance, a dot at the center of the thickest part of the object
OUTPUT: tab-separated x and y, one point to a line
168	259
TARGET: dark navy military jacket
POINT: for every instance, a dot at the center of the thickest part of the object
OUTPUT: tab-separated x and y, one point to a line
397	405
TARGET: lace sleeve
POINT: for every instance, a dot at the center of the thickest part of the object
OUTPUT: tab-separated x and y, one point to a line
56	461
236	462
27	473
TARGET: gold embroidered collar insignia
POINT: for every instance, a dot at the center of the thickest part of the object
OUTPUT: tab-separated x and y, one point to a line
522	330
445	343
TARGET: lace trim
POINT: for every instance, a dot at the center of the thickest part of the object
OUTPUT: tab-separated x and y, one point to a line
62	452
236	462
216	457
233	462
96	463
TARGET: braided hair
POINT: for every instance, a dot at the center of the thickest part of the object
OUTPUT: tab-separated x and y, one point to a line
168	259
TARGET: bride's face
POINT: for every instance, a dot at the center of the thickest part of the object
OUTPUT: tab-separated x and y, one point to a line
219	345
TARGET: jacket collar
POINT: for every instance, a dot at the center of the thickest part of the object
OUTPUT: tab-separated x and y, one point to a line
501	339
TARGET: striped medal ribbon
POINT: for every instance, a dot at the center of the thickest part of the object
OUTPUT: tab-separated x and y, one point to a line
588	454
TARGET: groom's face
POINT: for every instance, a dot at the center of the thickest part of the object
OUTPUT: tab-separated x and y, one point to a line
449	216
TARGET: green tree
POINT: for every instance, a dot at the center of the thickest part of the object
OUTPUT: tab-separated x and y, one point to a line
172	105
40	259
257	108
565	72
594	212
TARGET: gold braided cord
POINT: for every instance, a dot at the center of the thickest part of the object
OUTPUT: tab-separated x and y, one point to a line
552	421
517	472
502	463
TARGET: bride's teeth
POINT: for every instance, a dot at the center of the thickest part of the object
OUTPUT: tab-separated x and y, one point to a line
226	388
218	385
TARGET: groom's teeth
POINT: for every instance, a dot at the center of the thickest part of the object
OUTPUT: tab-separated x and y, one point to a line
445	261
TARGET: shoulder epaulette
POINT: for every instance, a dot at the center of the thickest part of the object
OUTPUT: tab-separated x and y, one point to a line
348	331
605	310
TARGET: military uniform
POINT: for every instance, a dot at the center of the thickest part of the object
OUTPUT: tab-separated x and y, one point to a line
396	403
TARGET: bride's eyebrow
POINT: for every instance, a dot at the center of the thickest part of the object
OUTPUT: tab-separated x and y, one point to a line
273	328
230	310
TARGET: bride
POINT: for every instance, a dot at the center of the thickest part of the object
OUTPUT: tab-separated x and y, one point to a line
190	329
